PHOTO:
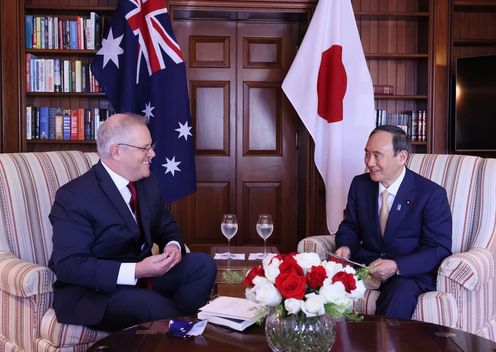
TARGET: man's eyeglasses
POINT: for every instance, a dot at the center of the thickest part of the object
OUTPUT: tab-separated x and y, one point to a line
145	149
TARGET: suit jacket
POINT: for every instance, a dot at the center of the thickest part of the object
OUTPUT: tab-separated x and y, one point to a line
93	233
418	229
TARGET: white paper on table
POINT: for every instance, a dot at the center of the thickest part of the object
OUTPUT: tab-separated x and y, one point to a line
257	256
225	256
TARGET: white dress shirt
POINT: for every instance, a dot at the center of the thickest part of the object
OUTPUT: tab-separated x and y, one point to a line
392	190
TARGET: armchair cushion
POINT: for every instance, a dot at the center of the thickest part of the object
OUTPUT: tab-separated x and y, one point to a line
470	269
23	279
63	335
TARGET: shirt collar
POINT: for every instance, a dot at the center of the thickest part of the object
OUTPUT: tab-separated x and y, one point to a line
119	181
393	188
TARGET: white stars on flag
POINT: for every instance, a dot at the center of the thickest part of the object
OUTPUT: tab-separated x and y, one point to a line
184	130
111	49
148	110
171	165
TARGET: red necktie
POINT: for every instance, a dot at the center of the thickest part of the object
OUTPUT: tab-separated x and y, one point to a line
133	203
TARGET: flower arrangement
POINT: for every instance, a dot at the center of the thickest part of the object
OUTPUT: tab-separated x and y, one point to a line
302	283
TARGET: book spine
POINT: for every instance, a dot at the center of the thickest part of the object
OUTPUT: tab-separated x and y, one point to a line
43	122
28	31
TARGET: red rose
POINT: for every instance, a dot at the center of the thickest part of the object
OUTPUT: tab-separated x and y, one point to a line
289	264
348	280
316	276
254	272
291	285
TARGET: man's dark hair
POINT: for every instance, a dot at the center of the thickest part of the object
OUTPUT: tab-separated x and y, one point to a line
400	138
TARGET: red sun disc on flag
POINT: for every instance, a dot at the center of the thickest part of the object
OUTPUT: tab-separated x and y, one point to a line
331	84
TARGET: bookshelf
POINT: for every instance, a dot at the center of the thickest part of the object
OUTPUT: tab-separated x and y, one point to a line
395	38
60	40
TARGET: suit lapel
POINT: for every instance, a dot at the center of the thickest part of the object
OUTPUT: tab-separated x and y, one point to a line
401	204
108	187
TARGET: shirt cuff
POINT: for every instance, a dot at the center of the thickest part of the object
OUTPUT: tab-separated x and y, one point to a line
173	242
126	274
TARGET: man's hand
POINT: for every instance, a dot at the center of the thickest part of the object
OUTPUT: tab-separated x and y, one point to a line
158	265
343	252
383	269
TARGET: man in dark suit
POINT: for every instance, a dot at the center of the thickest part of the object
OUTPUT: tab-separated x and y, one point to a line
107	277
402	235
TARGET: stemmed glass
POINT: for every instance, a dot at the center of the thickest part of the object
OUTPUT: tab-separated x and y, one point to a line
265	226
229	227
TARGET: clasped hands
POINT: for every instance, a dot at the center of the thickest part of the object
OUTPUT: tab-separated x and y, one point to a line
381	269
158	265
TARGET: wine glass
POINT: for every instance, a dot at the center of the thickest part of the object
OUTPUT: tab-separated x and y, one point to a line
229	227
265	226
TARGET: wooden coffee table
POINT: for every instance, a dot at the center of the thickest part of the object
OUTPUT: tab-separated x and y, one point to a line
372	334
224	288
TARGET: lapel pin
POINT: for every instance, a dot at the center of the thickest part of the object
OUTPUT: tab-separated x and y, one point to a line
398	208
408	202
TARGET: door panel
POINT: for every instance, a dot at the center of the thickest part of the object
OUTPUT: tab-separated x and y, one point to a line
244	130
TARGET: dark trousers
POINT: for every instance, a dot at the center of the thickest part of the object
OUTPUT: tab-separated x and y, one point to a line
398	297
181	291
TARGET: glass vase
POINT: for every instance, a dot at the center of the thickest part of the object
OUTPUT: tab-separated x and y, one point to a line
290	332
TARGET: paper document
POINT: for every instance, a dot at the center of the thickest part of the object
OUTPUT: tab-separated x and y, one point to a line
233	307
225	256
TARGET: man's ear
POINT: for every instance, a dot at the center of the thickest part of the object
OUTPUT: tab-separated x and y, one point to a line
403	156
115	152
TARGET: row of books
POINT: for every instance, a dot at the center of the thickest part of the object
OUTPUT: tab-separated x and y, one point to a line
49	123
78	32
59	75
412	122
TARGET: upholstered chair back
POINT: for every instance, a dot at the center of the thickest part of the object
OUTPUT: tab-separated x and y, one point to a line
28	182
459	175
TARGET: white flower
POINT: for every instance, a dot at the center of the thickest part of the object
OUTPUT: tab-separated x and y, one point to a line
271	269
332	292
359	291
292	305
250	294
332	267
265	292
349	270
307	260
313	305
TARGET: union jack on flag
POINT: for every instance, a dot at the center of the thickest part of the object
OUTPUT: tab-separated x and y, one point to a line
141	69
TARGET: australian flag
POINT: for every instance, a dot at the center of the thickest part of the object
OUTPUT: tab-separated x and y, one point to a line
141	69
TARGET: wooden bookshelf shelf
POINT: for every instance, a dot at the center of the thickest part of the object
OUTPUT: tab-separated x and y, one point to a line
65	94
397	56
474	42
380	15
400	97
58	141
61	52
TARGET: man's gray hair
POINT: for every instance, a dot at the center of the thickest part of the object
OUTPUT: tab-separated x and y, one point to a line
116	130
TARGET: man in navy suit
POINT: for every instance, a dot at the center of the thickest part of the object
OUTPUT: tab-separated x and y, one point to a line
107	277
416	237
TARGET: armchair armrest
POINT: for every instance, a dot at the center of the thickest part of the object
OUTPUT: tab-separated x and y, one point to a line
470	269
23	279
320	244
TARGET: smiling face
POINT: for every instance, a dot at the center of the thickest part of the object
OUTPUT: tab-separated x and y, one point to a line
134	163
383	165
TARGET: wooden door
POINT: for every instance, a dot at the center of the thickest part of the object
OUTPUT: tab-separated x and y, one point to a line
244	128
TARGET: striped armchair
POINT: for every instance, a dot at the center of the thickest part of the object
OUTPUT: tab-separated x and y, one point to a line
28	182
466	287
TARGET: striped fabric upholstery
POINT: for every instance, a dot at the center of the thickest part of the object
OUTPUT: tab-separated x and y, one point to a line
466	287
28	182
